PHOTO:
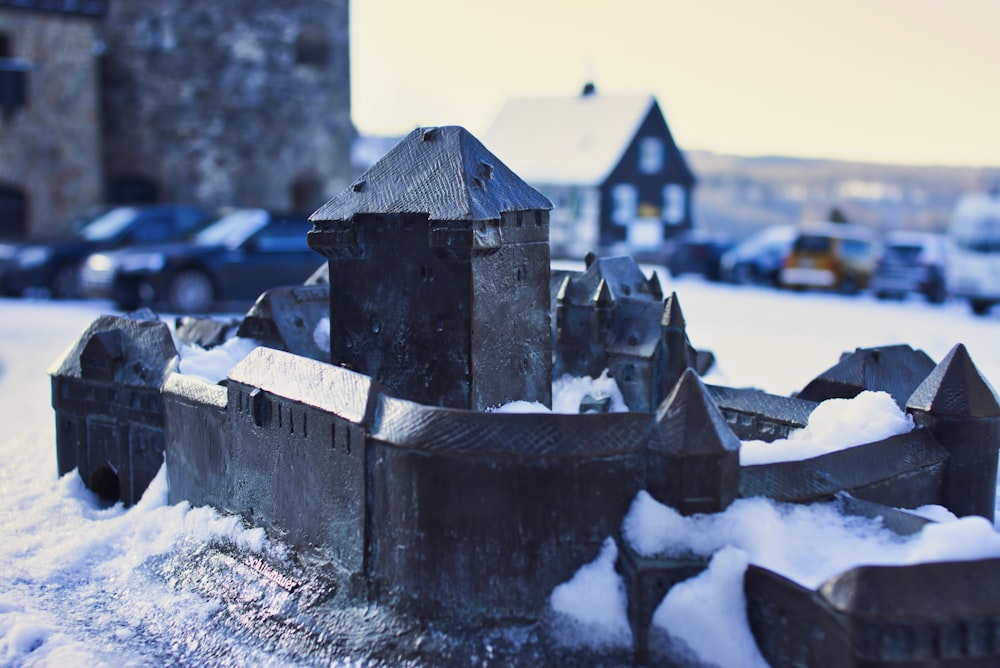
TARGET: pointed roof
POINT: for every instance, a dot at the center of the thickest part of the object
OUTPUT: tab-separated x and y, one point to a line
140	340
621	276
955	388
444	172
690	422
569	140
672	314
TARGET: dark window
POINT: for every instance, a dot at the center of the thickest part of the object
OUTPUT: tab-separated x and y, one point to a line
133	190
13	213
312	48
13	80
307	194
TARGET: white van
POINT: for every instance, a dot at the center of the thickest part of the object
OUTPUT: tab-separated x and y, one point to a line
973	265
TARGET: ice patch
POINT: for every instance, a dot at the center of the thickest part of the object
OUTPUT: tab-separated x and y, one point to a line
836	424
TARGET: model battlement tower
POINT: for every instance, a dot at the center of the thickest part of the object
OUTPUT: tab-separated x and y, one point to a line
439	263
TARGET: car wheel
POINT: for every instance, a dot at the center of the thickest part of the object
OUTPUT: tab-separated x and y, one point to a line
744	274
191	291
848	286
980	306
64	282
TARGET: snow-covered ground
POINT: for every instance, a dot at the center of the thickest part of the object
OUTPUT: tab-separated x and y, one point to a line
76	587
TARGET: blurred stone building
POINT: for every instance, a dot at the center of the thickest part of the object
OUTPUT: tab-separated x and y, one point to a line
223	103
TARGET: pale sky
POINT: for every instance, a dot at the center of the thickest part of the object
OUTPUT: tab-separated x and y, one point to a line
897	81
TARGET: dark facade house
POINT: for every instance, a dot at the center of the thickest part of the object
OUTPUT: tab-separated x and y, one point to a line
445	523
618	182
174	101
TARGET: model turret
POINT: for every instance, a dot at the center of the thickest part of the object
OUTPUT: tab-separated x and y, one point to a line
962	410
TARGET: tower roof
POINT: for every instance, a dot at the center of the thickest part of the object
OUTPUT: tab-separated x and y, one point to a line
955	388
690	423
621	276
443	172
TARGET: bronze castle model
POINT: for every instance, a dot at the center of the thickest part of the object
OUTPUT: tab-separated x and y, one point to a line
403	494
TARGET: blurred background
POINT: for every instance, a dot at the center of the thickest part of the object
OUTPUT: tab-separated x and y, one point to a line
708	137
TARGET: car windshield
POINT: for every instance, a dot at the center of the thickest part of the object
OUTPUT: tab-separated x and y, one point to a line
108	226
232	230
903	254
977	233
811	243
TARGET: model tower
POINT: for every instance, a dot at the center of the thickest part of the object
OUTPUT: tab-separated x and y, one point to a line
439	275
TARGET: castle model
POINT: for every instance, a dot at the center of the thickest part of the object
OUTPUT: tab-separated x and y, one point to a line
386	470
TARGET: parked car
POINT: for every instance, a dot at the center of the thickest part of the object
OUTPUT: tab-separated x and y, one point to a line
758	258
973	252
52	267
833	256
911	262
236	258
696	253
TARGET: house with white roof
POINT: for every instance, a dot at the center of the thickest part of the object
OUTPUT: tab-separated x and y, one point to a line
618	182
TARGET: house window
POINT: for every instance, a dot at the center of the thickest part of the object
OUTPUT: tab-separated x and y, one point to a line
625	199
650	155
674	204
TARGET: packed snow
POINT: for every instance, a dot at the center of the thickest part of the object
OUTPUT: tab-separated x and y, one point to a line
77	590
836	424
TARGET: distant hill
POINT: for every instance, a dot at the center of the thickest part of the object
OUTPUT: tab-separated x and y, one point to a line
737	195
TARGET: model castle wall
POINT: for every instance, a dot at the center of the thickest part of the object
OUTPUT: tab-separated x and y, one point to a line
464	516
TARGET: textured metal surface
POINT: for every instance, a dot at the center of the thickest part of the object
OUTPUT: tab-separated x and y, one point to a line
694	463
443	172
203	332
612	318
962	410
897	370
287	318
756	415
902	471
109	411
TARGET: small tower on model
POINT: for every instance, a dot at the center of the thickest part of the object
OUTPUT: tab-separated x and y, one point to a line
439	263
612	317
694	464
962	410
109	410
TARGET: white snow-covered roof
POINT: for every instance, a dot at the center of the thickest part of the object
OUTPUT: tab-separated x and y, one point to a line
567	140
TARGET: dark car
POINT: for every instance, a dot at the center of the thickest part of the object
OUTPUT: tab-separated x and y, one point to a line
911	262
758	258
52	267
234	259
696	253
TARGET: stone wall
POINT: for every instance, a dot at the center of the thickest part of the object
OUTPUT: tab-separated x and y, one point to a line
232	102
50	148
227	103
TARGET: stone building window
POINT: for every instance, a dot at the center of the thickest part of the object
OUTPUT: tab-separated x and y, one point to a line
306	194
312	48
13	213
13	78
133	190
